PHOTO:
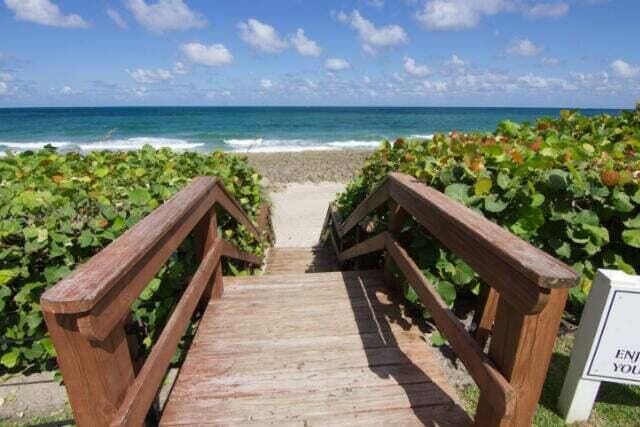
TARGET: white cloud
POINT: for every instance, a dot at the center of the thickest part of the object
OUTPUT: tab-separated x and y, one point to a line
373	37
261	36
212	55
414	69
376	3
68	91
549	60
266	84
44	12
337	64
116	18
547	10
165	15
180	69
458	14
624	69
149	76
436	86
4	88
304	45
524	47
456	61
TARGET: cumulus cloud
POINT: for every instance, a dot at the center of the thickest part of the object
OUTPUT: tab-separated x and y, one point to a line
547	10
337	64
4	88
116	18
212	55
150	76
624	69
523	47
179	68
458	14
165	15
414	69
435	86
373	37
5	78
456	61
266	84
68	91
304	45
261	36
44	12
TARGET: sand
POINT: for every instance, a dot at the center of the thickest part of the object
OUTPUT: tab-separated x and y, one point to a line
308	166
299	210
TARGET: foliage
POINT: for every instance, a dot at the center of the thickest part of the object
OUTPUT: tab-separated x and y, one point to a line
570	186
57	210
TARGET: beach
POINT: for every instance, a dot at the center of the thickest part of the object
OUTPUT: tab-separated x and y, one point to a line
307	166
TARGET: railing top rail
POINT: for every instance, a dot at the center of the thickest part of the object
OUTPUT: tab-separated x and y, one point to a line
449	220
90	282
464	231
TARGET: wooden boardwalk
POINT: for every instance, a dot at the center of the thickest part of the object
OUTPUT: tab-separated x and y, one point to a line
297	348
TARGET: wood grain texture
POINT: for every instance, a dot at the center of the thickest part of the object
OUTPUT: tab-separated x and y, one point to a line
374	200
442	215
151	241
142	392
299	260
373	244
490	381
257	359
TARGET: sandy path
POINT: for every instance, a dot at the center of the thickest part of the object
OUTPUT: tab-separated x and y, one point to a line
299	210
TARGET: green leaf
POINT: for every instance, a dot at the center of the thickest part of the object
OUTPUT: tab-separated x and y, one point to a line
139	196
437	339
503	181
537	200
493	203
447	291
482	186
633	222
558	179
85	239
632	237
7	275
621	202
10	359
101	172
459	192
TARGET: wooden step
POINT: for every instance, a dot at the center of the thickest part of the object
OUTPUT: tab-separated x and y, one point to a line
310	349
299	260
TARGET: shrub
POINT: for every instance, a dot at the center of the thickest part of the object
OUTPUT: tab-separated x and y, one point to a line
57	210
570	186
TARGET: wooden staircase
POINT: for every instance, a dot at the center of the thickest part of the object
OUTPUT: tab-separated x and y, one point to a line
320	348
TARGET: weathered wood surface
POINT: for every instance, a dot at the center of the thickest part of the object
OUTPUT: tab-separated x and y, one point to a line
299	260
325	348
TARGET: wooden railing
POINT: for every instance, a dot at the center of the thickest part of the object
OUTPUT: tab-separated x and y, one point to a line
86	312
522	313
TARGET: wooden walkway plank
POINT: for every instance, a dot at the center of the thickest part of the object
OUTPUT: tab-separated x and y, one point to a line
310	349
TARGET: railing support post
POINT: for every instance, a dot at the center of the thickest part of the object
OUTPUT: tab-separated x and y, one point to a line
521	348
96	374
397	217
205	234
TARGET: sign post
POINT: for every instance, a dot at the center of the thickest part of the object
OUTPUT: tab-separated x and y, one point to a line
607	346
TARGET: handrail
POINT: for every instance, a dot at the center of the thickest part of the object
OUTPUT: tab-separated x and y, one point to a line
532	288
85	312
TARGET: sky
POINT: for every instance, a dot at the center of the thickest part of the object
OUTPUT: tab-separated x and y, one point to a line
555	53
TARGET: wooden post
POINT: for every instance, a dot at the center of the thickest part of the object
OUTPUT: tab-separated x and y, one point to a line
485	314
397	217
96	374
521	348
205	234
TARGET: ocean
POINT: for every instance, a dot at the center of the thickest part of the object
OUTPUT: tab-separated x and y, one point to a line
244	129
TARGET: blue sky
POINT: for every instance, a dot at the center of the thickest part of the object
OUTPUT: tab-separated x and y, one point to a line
567	53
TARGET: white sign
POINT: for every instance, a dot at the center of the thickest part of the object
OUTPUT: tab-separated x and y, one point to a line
607	346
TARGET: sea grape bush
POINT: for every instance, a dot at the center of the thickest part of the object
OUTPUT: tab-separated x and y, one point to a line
59	209
570	186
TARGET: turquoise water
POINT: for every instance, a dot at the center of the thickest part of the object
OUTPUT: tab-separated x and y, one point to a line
243	128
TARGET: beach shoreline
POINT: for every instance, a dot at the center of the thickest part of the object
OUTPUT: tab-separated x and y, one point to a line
281	168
